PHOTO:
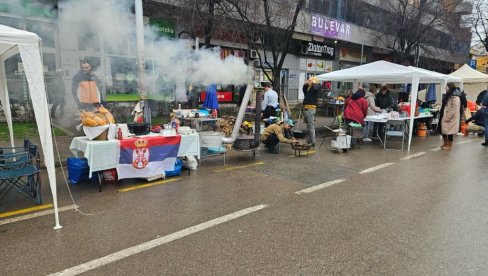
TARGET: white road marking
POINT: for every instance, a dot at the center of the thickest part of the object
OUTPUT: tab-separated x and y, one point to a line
96	263
468	141
436	149
35	215
320	186
413	156
379	167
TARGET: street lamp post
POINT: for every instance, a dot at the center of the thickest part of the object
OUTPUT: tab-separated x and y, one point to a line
141	61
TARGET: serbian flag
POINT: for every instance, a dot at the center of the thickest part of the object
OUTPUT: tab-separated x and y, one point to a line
147	156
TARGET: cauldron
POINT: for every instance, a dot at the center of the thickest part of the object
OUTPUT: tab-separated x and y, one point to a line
299	134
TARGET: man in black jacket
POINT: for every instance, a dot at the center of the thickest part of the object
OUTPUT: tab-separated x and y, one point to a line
85	87
311	92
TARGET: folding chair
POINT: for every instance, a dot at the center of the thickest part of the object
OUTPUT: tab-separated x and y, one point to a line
19	174
394	128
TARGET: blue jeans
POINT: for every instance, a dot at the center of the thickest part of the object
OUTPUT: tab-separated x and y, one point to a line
368	128
310	115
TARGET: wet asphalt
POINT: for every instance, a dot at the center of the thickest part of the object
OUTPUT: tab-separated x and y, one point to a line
425	215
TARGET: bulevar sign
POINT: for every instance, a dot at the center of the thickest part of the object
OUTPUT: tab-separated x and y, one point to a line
318	50
324	26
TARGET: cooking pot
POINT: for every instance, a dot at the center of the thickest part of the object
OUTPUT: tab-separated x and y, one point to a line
299	134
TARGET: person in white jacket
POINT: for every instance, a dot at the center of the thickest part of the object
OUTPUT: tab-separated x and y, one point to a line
372	110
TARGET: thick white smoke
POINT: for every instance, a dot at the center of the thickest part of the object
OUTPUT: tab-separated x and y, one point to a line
115	24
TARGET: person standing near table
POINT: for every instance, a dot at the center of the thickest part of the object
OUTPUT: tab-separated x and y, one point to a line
383	99
270	101
450	115
85	87
372	110
311	91
356	107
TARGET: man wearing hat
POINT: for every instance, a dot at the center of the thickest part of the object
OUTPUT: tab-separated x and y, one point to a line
274	134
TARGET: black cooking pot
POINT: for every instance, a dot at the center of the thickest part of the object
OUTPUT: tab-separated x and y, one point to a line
299	134
139	128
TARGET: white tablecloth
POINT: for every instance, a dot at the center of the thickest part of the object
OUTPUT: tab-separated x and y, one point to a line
383	118
102	155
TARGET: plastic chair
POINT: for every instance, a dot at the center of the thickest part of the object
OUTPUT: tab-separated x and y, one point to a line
394	128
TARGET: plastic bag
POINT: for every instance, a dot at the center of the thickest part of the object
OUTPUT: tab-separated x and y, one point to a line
191	163
176	171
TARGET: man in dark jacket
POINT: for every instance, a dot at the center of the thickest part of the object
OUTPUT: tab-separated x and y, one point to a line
57	94
383	99
85	87
311	92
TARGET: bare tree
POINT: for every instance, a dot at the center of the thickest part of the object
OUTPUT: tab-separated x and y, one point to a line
268	27
405	26
479	21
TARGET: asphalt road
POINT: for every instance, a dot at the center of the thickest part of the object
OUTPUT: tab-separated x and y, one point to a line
368	211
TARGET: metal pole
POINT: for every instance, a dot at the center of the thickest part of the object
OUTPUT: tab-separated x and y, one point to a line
362	51
141	61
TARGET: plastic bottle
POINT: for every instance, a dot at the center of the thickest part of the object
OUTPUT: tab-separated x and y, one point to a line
119	133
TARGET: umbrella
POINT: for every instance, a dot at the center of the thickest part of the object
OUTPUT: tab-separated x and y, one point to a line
431	96
211	101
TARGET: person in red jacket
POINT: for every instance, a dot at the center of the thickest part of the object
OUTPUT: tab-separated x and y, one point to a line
357	107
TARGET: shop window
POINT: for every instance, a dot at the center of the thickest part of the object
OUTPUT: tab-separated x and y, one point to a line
46	31
12	22
88	40
124	75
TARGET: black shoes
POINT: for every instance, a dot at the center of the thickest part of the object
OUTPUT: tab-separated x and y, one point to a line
274	150
485	144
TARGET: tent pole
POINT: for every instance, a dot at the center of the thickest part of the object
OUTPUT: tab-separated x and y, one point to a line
413	104
6	102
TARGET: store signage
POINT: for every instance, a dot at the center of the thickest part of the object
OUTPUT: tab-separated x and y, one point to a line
163	27
324	26
318	50
222	96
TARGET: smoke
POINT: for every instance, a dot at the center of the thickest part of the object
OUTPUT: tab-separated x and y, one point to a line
172	61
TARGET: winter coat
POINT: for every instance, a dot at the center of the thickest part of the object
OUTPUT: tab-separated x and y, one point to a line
278	129
372	108
311	93
384	101
85	88
451	114
357	108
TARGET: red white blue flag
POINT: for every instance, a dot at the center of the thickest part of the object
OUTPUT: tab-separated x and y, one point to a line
147	156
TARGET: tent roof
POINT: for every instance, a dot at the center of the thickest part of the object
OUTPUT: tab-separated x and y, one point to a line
383	72
448	78
469	75
10	37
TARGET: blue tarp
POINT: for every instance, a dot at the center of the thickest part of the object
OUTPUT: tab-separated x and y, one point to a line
211	101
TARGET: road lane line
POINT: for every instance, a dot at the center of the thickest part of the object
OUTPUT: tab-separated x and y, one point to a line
469	141
305	153
96	263
26	210
161	182
320	186
413	156
35	215
239	167
379	167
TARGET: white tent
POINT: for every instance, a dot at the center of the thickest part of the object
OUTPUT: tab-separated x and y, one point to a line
13	41
474	81
387	72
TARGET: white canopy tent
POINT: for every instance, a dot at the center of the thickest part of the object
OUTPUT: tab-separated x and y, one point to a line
474	81
387	72
13	41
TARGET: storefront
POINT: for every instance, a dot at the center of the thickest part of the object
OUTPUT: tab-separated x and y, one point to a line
316	58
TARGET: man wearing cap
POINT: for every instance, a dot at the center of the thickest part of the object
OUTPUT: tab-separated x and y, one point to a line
311	93
274	134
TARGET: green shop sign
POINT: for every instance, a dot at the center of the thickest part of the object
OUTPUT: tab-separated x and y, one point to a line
163	27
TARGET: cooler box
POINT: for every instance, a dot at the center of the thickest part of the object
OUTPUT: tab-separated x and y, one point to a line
78	170
177	170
